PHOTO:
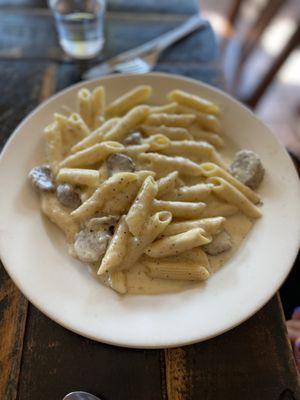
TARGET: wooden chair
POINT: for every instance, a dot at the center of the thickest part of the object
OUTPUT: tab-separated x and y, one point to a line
248	43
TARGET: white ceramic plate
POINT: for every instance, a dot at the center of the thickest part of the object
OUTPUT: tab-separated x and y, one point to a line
35	254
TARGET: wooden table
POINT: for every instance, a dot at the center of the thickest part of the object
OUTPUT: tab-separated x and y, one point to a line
40	360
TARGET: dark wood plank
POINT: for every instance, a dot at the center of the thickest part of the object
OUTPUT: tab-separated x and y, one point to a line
13	311
252	361
56	361
137	6
32	35
254	98
30	85
160	6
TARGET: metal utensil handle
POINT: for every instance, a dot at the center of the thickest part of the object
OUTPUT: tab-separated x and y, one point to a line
162	42
183	30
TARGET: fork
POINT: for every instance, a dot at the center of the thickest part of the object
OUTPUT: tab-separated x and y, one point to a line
143	58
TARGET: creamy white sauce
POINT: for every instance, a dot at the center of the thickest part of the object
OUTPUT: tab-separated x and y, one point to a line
138	281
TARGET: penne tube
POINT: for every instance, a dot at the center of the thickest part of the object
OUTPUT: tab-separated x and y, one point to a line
117	248
78	176
96	153
196	192
213	138
135	150
196	151
166	109
84	100
131	120
79	125
211	170
140	210
96	136
114	184
153	228
180	209
232	195
210	225
224	209
121	201
129	100
98	106
72	128
173	133
176	120
176	270
59	215
167	183
117	281
157	142
206	121
190	149
53	145
193	101
164	164
176	244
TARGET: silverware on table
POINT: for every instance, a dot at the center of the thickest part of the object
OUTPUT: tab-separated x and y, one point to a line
143	58
80	396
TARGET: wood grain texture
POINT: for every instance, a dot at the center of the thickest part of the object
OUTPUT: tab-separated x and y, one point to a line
32	36
136	6
13	311
177	374
29	86
252	361
57	361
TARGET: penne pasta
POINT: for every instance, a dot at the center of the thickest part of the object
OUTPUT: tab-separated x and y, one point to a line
135	150
105	191
117	281
210	225
164	164
226	191
206	121
212	170
156	224
140	210
131	120
129	100
193	101
176	120
173	133
78	176
59	215
166	108
98	106
189	149
197	192
117	248
96	136
176	244
180	209
176	270
155	199
167	183
120	202
213	138
53	145
157	142
84	99
96	153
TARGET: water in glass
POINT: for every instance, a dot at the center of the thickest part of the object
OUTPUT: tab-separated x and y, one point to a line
80	26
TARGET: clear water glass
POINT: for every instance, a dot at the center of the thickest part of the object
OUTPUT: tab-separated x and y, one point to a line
79	25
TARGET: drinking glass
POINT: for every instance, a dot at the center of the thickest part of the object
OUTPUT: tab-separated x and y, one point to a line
79	25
